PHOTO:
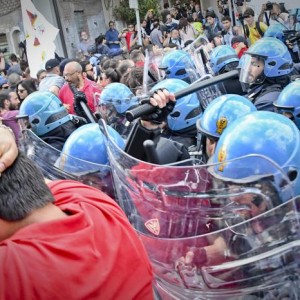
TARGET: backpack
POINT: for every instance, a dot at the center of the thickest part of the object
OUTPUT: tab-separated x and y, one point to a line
257	27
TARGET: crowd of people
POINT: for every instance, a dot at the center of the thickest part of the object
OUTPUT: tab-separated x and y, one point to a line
64	239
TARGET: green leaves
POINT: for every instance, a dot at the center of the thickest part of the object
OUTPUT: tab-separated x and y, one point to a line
123	13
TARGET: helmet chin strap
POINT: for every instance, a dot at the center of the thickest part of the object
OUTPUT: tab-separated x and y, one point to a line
259	80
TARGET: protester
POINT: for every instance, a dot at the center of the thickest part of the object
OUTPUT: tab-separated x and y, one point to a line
156	36
105	50
25	88
112	36
84	44
83	218
253	30
14	65
240	45
130	36
212	24
76	82
53	82
13	80
14	100
174	38
186	30
40	75
8	114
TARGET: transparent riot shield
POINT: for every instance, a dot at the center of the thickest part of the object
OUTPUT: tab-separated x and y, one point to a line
256	259
210	237
200	50
54	165
152	73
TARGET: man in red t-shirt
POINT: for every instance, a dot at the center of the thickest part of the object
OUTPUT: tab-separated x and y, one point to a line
73	76
67	242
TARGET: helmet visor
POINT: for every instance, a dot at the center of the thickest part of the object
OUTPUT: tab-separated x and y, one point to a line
252	70
107	112
56	166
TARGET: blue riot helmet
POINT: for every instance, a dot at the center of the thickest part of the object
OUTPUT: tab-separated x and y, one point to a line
187	109
259	133
115	99
276	30
119	96
267	58
223	59
44	111
221	112
288	102
85	149
179	64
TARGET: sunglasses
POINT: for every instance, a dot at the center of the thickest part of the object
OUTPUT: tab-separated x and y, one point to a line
21	91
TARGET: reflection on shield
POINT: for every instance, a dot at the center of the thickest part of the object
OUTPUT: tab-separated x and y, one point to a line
179	64
152	73
210	238
54	165
199	51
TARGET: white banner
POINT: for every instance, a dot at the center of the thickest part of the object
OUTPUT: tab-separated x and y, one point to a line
39	35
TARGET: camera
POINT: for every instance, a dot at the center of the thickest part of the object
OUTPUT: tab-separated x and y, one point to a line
269	5
292	36
3	50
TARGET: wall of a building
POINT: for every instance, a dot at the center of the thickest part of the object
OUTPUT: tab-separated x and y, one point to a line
11	19
94	20
96	16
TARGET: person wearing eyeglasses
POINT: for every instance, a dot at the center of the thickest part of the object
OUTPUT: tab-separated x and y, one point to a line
130	36
76	81
25	88
88	70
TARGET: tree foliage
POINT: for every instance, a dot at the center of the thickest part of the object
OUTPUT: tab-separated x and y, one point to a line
123	13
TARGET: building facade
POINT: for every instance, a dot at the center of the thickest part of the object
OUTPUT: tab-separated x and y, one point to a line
73	16
70	17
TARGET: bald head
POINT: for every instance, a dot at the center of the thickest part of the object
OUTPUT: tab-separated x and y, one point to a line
73	74
72	66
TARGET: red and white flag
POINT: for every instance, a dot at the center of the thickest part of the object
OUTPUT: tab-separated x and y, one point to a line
40	36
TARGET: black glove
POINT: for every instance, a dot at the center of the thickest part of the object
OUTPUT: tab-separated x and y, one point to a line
79	97
160	114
